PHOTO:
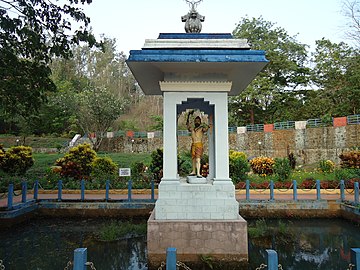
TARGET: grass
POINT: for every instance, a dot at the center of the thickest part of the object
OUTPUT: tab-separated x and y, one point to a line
116	230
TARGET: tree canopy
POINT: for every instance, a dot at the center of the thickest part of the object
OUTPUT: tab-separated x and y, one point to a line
32	32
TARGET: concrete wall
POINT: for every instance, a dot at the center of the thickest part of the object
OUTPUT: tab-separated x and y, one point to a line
308	145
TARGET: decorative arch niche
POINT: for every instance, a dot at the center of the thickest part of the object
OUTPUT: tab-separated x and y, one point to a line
208	109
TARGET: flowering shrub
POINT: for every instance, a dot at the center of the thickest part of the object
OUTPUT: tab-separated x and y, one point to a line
350	159
326	166
103	167
78	162
238	166
262	165
17	160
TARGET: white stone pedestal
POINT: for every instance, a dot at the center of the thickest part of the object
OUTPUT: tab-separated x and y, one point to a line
179	200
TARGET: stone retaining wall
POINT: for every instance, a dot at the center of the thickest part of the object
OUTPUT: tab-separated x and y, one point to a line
309	145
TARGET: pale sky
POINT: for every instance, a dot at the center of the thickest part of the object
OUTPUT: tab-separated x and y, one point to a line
133	21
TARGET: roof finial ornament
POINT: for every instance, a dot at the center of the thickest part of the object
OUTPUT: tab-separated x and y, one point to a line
193	19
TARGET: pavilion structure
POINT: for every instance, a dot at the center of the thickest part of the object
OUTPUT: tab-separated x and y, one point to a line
196	71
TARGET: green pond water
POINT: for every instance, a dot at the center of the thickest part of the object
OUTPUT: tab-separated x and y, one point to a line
301	244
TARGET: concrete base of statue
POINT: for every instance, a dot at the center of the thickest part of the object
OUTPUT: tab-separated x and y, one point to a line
193	179
224	240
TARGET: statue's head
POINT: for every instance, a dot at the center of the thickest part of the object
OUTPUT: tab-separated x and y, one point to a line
197	121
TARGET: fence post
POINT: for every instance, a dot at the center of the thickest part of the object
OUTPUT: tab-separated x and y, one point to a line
342	190
152	190
59	190
272	263
295	190
171	258
107	187
23	191
318	195
82	190
10	196
356	192
36	189
80	259
355	257
271	190
129	190
247	190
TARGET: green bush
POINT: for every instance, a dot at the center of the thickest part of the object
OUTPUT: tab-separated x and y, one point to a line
16	160
139	171
78	162
282	168
326	166
103	167
238	166
2	154
156	164
347	174
184	163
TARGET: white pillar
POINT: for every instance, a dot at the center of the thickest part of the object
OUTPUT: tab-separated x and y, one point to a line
169	137
221	138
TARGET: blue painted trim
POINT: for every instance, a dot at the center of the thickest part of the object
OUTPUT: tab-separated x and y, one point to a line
36	189
271	190
342	190
152	190
318	193
23	192
60	190
82	189
80	259
195	36
295	198
272	263
10	196
107	188
171	258
208	56
355	258
129	190
247	190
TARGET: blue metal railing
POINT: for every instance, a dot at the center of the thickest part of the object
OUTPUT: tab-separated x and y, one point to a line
255	128
272	263
129	198
353	119
232	129
312	123
284	125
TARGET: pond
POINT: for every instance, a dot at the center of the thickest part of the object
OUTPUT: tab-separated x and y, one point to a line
301	244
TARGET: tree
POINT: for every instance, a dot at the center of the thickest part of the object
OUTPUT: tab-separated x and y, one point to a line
96	109
31	33
352	12
287	69
336	73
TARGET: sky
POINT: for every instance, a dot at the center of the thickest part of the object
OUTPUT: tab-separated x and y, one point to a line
133	21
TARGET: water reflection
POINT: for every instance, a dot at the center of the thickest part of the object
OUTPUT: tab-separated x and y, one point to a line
310	244
49	244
